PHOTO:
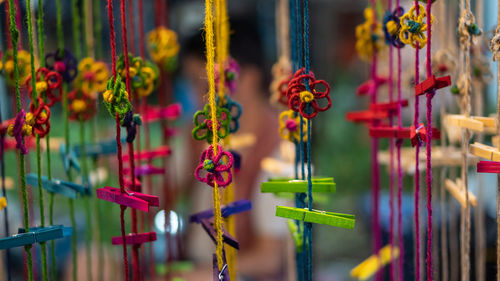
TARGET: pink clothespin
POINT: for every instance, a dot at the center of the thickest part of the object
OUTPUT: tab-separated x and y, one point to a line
432	83
488	167
135	238
366	116
388	106
155	113
161	151
135	200
412	133
371	85
145	170
128	183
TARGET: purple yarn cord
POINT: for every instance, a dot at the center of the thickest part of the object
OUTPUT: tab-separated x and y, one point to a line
417	171
18	131
428	148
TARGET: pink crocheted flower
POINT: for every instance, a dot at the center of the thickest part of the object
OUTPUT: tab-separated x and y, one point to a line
214	167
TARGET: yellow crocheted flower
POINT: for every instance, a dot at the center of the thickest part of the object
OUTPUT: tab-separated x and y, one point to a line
290	126
369	36
23	63
163	47
92	76
413	27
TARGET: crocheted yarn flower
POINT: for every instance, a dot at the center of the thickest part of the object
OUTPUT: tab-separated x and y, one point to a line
234	109
290	126
23	63
116	98
282	73
48	84
468	29
392	26
232	72
203	123
92	76
163	48
215	169
413	27
305	100
81	105
143	75
368	36
442	62
64	63
41	116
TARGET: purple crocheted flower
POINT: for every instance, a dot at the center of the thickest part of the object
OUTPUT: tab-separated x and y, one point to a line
232	71
63	62
215	167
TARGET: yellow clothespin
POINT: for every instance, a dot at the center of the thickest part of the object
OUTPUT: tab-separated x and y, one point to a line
374	263
485	151
3	203
474	123
458	191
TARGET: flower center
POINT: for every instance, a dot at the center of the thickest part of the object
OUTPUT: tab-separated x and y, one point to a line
291	125
41	86
59	66
413	26
208	165
306	96
392	27
78	106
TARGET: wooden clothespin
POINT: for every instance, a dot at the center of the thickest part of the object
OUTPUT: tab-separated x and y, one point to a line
69	159
431	84
99	149
233	208
162	151
488	167
155	113
64	188
458	191
416	135
135	200
297	235
145	169
223	274
484	151
366	116
35	235
3	203
135	238
208	226
315	216
128	183
474	123
371	85
388	106
278	185
375	262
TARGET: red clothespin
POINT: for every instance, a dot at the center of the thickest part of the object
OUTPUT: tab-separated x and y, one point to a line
161	151
416	135
388	106
488	167
135	200
371	85
366	116
128	183
135	238
154	113
144	170
432	83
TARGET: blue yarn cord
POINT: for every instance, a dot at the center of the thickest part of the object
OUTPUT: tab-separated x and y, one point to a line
293	39
4	194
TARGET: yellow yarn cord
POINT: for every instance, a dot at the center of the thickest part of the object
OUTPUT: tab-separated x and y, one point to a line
209	42
227	198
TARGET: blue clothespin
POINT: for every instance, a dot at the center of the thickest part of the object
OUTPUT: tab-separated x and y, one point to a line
35	235
65	188
228	210
95	150
69	159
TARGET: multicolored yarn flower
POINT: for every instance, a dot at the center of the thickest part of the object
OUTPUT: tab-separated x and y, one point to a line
203	128
23	126
163	48
231	72
81	106
215	167
48	85
392	26
414	27
41	116
234	109
116	98
23	63
468	29
282	73
305	100
290	126
92	76
143	75
368	36
64	63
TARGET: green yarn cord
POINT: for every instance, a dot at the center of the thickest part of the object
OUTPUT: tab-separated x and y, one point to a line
14	35
88	213
76	30
38	156
60	35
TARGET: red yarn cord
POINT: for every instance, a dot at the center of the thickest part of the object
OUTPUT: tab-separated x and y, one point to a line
131	27
122	189
7	23
142	41
158	13
112	36
122	224
417	169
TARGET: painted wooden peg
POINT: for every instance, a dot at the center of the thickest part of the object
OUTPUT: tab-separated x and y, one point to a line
388	106
156	113
135	200
128	183
297	186
458	191
228	239
374	263
99	149
57	186
488	167
69	159
366	116
474	123
223	274
145	169
370	86
226	211
296	234
162	151
35	235
416	135
431	84
485	151
135	238
315	216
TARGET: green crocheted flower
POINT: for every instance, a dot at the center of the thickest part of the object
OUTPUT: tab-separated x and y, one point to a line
203	123
116	98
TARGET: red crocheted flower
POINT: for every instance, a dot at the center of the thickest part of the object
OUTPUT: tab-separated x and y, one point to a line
48	83
41	114
215	167
81	105
303	100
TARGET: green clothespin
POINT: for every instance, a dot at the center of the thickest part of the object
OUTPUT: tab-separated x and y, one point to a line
296	235
278	185
315	216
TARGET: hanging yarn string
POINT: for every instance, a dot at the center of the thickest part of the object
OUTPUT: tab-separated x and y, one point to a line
117	103
14	36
